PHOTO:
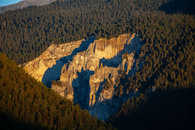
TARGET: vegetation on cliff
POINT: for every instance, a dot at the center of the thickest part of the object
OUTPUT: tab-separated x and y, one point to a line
165	64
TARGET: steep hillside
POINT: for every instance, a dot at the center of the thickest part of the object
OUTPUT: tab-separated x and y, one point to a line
164	62
28	104
171	109
24	4
30	31
86	71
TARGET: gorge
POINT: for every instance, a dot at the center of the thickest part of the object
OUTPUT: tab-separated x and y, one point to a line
86	71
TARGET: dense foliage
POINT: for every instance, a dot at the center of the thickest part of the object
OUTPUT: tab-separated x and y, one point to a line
166	60
30	31
27	104
165	110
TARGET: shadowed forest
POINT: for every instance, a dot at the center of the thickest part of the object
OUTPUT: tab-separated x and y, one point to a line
27	104
179	6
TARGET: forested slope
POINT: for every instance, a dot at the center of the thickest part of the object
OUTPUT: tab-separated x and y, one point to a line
28	32
164	65
165	62
170	110
27	104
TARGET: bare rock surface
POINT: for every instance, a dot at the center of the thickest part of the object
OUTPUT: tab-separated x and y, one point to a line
86	71
37	67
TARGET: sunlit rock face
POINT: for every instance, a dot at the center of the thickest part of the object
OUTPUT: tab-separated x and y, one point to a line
86	71
37	67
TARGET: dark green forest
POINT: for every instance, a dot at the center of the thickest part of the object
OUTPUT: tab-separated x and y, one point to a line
28	32
164	110
27	104
165	63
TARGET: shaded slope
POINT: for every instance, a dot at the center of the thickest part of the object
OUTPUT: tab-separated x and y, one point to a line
173	109
24	101
9	122
179	6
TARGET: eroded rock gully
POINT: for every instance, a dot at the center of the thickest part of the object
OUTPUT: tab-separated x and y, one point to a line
86	71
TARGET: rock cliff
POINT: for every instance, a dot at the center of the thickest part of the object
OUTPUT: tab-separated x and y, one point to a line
86	71
37	67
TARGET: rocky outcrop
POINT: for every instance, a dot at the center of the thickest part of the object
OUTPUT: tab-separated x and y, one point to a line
86	71
37	67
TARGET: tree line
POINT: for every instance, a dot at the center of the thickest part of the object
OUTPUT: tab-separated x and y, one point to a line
165	62
28	104
26	33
